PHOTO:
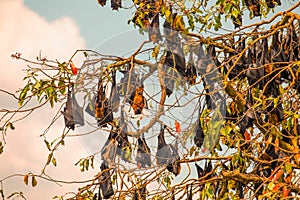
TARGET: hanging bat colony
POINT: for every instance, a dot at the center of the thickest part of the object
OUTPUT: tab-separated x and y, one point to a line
254	66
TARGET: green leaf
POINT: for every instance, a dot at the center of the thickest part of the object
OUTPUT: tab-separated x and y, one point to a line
235	12
23	94
61	86
288	167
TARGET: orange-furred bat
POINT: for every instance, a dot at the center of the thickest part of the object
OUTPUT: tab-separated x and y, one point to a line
137	100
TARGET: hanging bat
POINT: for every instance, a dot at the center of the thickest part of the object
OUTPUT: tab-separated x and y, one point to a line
202	61
116	4
199	135
103	111
108	151
143	156
153	30
128	82
170	73
174	162
114	99
73	113
123	147
164	151
179	59
209	103
137	101
170	34
105	181
255	71
191	72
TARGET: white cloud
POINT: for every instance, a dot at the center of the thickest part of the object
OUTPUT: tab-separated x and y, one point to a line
24	31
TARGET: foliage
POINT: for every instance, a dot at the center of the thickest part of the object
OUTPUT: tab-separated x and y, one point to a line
245	83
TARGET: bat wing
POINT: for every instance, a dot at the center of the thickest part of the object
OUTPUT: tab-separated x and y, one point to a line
105	181
154	32
143	153
90	108
200	171
199	135
68	112
77	112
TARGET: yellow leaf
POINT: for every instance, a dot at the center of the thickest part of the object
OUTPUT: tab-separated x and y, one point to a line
54	161
33	181
26	179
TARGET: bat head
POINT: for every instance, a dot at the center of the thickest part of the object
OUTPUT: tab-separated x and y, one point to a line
139	90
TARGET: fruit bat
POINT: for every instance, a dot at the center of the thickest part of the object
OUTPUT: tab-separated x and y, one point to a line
189	193
108	151
105	181
102	2
169	78
178	59
103	111
154	32
143	156
199	135
202	61
137	101
254	7
255	70
116	4
191	72
209	103
170	34
123	147
164	151
128	82
174	162
114	95
73	113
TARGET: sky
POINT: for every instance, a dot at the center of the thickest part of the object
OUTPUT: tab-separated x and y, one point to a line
55	28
